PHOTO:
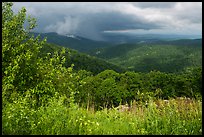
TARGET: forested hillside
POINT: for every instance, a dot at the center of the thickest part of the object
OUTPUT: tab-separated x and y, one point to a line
81	61
165	56
48	89
145	55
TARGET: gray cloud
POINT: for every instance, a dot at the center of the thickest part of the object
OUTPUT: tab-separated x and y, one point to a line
91	19
154	4
96	23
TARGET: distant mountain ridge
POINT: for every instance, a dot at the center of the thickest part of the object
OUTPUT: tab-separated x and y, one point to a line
87	45
122	39
144	55
72	41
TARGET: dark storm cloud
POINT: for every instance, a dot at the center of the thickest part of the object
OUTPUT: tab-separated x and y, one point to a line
91	19
118	21
94	24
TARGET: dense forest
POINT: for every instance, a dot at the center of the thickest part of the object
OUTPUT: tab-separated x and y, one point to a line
165	56
80	60
109	85
50	89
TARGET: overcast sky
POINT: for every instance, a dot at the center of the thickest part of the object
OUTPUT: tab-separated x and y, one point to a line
93	19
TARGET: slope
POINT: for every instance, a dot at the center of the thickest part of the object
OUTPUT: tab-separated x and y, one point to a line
71	41
165	56
81	61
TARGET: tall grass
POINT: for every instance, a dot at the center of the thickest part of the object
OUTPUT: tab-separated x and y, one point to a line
178	116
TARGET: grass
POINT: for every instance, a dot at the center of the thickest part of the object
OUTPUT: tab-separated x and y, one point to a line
173	117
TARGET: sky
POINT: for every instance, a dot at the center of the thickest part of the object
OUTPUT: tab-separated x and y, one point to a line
94	19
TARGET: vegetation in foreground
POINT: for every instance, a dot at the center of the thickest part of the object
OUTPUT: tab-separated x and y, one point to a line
41	96
173	118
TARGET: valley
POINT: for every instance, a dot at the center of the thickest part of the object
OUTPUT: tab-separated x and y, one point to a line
159	54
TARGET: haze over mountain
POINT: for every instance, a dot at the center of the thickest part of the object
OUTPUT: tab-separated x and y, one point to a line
134	38
85	45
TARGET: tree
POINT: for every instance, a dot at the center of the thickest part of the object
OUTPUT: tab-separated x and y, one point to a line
19	51
24	71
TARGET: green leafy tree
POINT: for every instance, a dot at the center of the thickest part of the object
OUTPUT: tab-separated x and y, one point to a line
19	51
24	71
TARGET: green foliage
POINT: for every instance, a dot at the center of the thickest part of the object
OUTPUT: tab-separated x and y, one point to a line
81	61
24	72
57	119
19	52
41	95
109	88
164	56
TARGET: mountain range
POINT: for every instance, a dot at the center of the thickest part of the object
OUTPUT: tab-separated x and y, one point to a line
72	41
143	54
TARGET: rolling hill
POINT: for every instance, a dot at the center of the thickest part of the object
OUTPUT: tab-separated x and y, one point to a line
81	61
142	54
165	56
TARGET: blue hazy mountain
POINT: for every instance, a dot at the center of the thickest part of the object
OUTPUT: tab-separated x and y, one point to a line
121	38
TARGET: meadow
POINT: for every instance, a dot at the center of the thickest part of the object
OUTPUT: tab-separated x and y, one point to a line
180	116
